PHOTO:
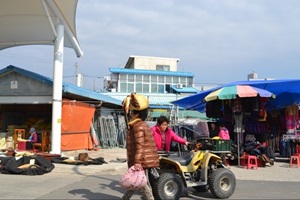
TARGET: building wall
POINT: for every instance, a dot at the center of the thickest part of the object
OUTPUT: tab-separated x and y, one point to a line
14	84
150	63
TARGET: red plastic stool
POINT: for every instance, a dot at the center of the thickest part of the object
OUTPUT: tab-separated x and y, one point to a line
294	161
251	162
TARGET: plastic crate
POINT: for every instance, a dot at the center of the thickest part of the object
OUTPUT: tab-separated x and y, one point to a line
221	145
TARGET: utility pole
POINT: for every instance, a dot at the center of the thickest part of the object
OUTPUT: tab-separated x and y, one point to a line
94	86
76	73
79	77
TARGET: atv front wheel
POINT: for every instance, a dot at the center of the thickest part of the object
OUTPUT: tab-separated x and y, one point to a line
222	183
168	186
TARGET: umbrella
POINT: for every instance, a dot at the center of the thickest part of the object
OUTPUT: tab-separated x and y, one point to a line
234	91
231	92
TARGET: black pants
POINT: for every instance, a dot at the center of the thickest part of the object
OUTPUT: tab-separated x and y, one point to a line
28	145
223	157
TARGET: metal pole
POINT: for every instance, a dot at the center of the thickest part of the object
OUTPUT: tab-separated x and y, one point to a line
238	137
239	130
57	91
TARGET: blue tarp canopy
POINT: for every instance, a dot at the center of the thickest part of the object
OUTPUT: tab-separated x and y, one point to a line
287	92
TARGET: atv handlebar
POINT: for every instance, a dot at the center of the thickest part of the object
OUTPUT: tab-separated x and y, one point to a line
164	153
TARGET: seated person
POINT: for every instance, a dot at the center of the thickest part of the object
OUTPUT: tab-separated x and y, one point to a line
163	135
33	138
224	133
214	131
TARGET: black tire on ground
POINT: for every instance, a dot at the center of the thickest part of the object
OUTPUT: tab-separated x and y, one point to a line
222	183
168	186
201	188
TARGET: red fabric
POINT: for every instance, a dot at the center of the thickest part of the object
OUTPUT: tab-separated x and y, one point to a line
76	121
170	136
21	146
75	141
297	148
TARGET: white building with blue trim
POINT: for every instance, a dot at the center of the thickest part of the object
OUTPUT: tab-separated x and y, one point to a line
156	78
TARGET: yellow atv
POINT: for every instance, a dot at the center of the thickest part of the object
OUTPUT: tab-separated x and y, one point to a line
200	170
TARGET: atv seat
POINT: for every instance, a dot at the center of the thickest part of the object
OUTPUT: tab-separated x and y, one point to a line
184	160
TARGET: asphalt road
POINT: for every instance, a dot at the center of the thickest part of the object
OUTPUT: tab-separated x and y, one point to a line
65	186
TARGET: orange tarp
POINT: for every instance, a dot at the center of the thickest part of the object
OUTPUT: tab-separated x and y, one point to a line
76	124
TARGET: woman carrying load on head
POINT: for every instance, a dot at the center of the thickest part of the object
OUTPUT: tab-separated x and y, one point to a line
141	149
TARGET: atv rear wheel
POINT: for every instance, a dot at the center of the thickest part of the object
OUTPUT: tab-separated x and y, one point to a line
201	188
168	186
222	183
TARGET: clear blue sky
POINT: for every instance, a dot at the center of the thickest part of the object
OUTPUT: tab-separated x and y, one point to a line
219	41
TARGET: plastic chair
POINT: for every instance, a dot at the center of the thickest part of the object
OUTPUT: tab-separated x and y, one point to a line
44	145
294	161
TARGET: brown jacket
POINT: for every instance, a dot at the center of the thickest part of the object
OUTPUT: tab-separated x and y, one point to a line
141	148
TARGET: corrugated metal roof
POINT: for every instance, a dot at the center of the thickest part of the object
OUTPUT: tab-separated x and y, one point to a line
150	72
67	87
185	89
155	100
191	114
73	89
182	114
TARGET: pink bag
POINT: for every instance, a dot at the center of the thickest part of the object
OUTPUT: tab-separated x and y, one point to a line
133	179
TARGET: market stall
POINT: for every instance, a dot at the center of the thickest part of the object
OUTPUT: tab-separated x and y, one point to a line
232	112
270	125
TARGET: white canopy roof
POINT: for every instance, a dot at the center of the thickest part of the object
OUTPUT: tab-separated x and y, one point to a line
42	22
32	22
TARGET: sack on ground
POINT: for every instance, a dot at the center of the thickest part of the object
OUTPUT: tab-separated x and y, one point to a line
83	156
133	179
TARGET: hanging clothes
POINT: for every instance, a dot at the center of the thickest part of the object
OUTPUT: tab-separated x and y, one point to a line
237	106
238	123
262	110
292	118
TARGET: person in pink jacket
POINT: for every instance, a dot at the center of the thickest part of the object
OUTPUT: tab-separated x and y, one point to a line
224	133
163	135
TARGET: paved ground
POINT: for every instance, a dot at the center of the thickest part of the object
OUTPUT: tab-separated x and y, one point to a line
280	171
67	181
